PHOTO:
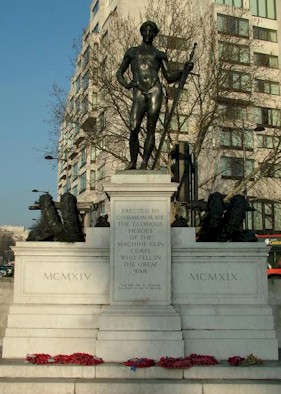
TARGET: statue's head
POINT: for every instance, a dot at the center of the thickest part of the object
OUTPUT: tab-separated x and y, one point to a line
149	28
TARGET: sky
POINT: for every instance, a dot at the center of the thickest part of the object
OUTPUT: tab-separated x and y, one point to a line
36	48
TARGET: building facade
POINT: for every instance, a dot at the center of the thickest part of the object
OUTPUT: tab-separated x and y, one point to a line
237	145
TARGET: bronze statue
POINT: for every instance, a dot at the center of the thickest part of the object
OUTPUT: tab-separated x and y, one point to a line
145	62
52	227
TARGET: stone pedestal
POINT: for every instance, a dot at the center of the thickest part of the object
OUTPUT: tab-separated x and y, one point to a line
58	291
140	321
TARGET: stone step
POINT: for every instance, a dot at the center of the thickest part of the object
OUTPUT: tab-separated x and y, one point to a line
221	334
201	322
13	368
53	321
33	309
18	378
225	310
51	332
266	349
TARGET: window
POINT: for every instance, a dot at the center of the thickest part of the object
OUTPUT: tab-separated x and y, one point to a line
234	53
234	3
93	153
92	179
236	167
96	29
263	8
85	105
75	191
260	33
75	171
82	182
268	116
102	121
76	129
233	80
179	123
269	87
169	42
233	111
267	216
270	170
86	56
85	81
232	25
268	141
101	172
83	157
264	60
96	8
77	84
77	104
237	139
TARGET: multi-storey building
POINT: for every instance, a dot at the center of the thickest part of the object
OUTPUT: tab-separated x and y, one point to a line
248	37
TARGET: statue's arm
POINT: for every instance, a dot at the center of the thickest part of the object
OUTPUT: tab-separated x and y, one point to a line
123	68
172	76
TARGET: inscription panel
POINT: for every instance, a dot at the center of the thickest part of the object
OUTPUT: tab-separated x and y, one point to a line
54	278
141	251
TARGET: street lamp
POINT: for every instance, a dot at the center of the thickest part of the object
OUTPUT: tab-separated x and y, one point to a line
68	166
39	191
49	157
256	129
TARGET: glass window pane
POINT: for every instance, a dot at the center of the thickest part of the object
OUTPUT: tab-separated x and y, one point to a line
249	164
225	166
273	61
248	139
228	2
244	27
219	1
245	83
237	138
245	55
254	6
257	215
271	9
221	22
237	167
262	8
236	81
272	35
269	142
277	216
237	3
266	87
225	138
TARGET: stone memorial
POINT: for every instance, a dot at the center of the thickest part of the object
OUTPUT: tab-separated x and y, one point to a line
140	308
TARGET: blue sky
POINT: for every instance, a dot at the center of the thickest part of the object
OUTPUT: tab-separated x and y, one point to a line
36	38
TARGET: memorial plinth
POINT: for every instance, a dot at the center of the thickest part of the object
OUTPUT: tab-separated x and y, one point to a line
140	318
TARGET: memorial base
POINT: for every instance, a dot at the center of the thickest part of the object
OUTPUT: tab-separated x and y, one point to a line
128	332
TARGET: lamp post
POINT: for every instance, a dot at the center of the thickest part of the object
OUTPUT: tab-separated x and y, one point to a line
256	130
50	157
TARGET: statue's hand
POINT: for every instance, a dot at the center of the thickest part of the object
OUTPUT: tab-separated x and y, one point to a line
132	84
189	66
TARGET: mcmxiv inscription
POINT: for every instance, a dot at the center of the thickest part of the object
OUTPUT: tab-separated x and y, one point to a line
217	276
68	276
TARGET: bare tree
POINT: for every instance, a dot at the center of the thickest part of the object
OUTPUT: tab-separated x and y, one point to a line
222	83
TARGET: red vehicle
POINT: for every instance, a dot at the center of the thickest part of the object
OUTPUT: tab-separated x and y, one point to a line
274	254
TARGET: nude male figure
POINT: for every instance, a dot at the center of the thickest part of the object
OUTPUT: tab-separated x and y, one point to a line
145	61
